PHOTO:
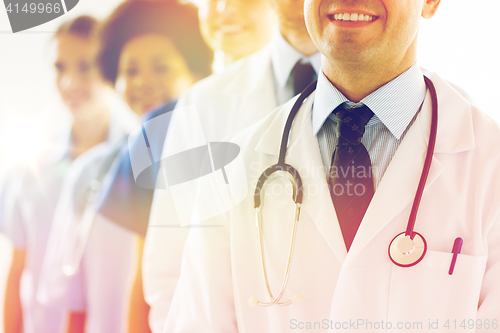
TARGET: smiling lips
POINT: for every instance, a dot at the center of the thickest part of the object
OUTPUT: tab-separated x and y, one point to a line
230	28
352	17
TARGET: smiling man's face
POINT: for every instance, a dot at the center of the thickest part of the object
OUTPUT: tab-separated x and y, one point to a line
237	27
367	32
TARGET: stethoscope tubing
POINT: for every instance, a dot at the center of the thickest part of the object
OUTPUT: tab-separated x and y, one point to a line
281	165
288	125
428	160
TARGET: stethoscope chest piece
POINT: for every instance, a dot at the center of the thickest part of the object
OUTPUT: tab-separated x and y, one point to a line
407	252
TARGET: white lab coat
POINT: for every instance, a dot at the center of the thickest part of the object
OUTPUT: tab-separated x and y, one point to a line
103	281
102	285
222	270
226	103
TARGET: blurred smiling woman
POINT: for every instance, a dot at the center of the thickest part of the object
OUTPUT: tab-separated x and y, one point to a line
149	77
150	52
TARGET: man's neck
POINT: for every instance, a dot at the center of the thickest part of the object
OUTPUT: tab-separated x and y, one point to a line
356	81
299	39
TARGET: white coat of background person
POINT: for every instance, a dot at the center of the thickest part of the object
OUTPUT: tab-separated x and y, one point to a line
226	102
359	290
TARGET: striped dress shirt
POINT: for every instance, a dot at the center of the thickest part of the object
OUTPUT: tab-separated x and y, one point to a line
395	106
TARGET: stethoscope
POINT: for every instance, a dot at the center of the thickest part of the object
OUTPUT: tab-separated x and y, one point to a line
405	250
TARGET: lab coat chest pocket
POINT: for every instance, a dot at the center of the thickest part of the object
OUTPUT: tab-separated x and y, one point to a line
426	293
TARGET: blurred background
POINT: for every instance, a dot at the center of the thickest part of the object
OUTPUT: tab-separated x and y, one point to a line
30	107
461	44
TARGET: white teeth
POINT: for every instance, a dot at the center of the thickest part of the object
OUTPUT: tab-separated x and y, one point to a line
353	17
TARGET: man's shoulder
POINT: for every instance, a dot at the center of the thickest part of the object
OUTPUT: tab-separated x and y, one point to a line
479	117
240	70
485	132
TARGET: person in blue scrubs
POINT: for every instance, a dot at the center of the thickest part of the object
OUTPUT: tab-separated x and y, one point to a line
233	29
151	51
122	200
150	77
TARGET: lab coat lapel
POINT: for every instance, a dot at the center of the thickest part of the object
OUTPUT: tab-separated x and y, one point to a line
304	155
397	188
317	202
255	82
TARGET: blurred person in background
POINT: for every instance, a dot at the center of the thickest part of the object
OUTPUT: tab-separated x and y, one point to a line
31	192
244	93
218	22
151	51
235	28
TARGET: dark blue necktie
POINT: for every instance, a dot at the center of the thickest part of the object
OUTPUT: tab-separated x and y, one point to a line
303	75
350	179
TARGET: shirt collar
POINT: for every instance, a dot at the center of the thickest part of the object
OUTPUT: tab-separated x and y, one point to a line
394	104
284	57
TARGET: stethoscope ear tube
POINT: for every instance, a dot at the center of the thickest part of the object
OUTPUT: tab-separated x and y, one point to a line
297	182
428	160
281	165
288	126
409	248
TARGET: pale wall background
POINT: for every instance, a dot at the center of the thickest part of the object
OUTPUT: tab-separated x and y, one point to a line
460	43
